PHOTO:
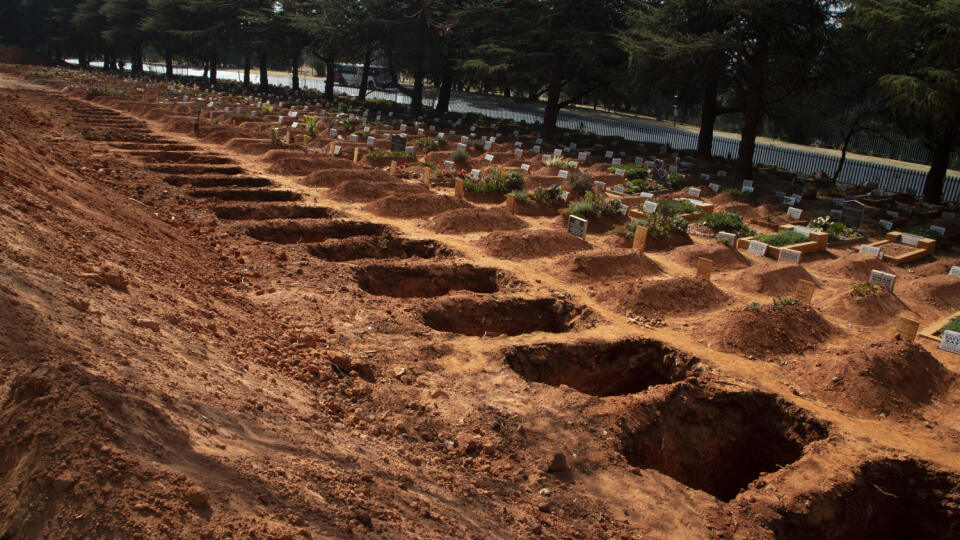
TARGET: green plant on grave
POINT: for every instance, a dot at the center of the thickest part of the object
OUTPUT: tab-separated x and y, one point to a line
266	108
460	157
381	154
673	207
425	144
476	144
658	226
558	162
952	325
753	306
496	180
867	289
631	172
779	302
676	181
103	91
547	195
727	222
520	195
783	238
579	183
592	206
310	123
736	192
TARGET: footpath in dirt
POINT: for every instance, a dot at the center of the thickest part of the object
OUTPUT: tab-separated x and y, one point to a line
207	335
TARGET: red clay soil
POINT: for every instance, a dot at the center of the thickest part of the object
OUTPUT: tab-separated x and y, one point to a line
855	266
607	263
773	278
677	296
365	191
941	291
302	166
530	244
723	257
333	177
468	220
871	310
221	134
250	146
892	376
414	205
18	55
768	331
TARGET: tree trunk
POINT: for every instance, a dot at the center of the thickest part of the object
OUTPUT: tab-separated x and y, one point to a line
365	74
331	67
213	67
264	76
446	87
416	97
246	69
168	60
295	73
82	58
933	188
843	154
752	113
506	91
552	111
708	118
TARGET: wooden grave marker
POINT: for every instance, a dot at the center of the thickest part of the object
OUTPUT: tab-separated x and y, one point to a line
805	290
704	267
908	328
640	238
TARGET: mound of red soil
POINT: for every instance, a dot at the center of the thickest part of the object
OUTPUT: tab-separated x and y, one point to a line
745	210
942	291
870	310
608	263
880	378
300	166
679	296
414	205
856	266
334	177
21	56
365	191
723	257
767	331
773	279
468	220
250	146
221	134
530	244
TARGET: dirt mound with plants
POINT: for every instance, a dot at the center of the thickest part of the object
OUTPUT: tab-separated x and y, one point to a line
468	220
333	177
875	306
18	55
678	296
855	266
608	263
766	330
773	278
365	191
891	376
530	244
941	291
414	205
723	257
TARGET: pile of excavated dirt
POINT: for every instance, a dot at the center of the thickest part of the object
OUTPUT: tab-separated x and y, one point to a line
676	296
530	244
365	191
723	257
607	263
302	166
942	291
414	205
333	177
767	331
468	220
891	376
871	310
773	279
855	266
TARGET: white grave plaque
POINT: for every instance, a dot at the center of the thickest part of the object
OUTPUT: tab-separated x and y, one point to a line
649	207
789	256
728	237
747	189
721	173
448	165
525	167
871	250
536	149
694	192
557	153
646	194
883	278
618	189
563	174
910	239
475	173
582	156
746	183
950	341
620	172
954	271
518	153
608	154
336	150
578	227
488	157
794	213
938	230
616	161
757	248
884	224
714	187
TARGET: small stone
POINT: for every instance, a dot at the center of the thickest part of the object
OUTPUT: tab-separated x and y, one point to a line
147	323
545	492
64	482
558	463
79	304
437	394
399	371
198	497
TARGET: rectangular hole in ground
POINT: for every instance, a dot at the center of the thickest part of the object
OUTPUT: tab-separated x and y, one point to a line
510	316
426	281
301	233
377	247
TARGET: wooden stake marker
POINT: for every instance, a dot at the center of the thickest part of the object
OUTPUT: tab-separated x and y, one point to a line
458	189
425	178
640	238
511	200
393	167
356	155
908	328
704	267
805	291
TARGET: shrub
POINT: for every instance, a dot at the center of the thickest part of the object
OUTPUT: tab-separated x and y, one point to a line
676	181
579	184
476	144
672	207
496	180
782	238
658	226
727	222
559	163
311	123
867	289
460	157
380	154
631	172
592	206
755	307
426	144
520	195
548	195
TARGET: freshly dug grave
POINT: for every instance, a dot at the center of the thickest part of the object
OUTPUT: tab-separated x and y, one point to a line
891	376
426	281
265	195
263	212
377	247
773	278
164	156
767	330
468	220
941	291
334	177
530	244
874	309
295	232
414	205
677	296
250	146
723	257
365	191
855	266
509	316
601	368
607	263
301	166
195	169
217	181
714	440
884	499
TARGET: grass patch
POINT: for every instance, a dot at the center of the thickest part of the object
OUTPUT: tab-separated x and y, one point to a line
727	222
782	238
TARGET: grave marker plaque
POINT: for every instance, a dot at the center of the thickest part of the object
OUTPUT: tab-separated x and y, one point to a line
746	183
885	225
950	341
805	230
563	174
582	156
704	267
557	153
908	328
448	165
475	173
518	153
724	173
728	237
608	154
910	239
618	189
954	271
852	214
336	150
578	227
489	158
461	147
371	141
789	256
620	172
536	149
694	192
891	213
883	278
713	187
616	161
525	167
757	248
871	250
805	290
649	207
354	138
938	230
599	187
747	189
646	195
794	213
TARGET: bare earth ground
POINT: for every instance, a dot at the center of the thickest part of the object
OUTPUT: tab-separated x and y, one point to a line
184	356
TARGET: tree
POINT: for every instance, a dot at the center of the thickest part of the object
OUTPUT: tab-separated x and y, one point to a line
123	28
